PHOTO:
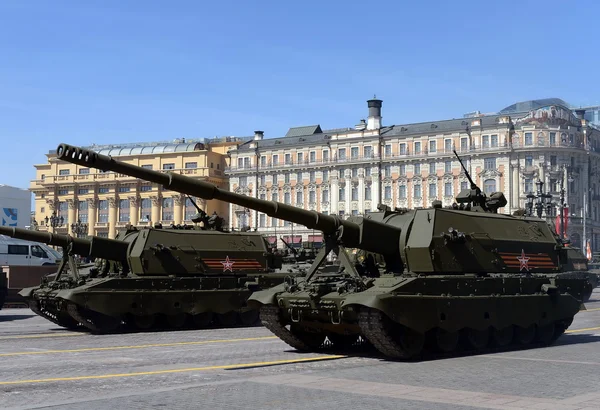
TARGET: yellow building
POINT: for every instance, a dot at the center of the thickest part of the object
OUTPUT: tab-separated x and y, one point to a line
106	201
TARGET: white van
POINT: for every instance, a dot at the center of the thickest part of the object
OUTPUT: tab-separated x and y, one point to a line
17	252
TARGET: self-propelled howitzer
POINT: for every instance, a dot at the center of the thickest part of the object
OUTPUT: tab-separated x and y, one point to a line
153	278
463	272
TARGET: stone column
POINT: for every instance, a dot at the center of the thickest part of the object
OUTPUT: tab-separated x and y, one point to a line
361	195
92	204
515	185
134	209
155	215
333	195
71	214
112	217
177	209
375	190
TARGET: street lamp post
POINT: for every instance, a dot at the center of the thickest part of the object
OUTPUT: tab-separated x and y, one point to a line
54	221
79	229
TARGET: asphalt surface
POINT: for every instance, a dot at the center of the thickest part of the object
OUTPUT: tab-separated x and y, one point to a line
44	366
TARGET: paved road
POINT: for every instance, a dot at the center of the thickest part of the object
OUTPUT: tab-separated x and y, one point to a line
43	366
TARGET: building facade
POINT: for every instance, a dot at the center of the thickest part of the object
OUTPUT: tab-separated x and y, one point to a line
350	171
15	206
69	196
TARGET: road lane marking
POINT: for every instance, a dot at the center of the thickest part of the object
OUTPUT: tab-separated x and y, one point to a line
171	371
42	335
582	330
99	349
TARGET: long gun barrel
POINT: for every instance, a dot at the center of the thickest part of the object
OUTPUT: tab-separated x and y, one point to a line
104	248
365	234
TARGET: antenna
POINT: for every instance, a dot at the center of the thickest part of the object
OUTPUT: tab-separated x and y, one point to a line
473	185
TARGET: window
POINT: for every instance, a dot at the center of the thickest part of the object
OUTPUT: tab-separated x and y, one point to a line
402	191
243	181
124	189
103	190
403	148
417	147
103	211
432	167
552	138
312	197
38	252
263	161
447	145
325	195
354	193
263	179
528	185
123	210
448	189
286	178
432	190
167	209
528	138
84	171
274	196
464	144
247	162
342	153
485	141
354	172
388	150
18	249
417	191
489	186
354	152
287	198
300	158
432	146
553	185
288	159
63	191
368	151
367	193
402	169
168	166
417	169
312	176
191	165
313	156
275	159
299	198
147	166
82	211
387	192
299	177
489	163
82	191
448	167
325	175
190	209
464	185
387	171
146	188
63	172
528	161
325	156
494	141
342	194
262	220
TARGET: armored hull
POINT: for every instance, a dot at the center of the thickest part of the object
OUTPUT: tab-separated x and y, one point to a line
436	278
154	278
3	287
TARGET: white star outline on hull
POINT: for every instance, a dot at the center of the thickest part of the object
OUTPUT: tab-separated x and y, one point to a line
524	261
227	264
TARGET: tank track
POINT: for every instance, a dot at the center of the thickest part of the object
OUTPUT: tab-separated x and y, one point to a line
373	327
269	316
60	318
95	324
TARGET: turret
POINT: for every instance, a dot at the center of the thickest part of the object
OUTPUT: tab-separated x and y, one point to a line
95	247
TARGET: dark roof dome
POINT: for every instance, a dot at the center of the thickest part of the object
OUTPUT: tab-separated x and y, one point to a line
525	106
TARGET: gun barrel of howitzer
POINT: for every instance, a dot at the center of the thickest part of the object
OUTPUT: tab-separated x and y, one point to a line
96	247
350	233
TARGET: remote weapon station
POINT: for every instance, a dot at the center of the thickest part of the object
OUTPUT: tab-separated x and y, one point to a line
463	273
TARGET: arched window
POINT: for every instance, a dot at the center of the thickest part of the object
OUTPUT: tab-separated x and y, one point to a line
489	186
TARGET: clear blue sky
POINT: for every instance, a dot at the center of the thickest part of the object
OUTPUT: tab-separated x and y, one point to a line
100	71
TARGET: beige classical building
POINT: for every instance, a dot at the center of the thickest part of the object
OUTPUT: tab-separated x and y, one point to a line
350	171
106	201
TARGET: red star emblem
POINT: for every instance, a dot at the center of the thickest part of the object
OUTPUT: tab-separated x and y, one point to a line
524	260
227	265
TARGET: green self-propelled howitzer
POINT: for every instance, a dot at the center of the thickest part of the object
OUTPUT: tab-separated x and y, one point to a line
460	273
154	278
